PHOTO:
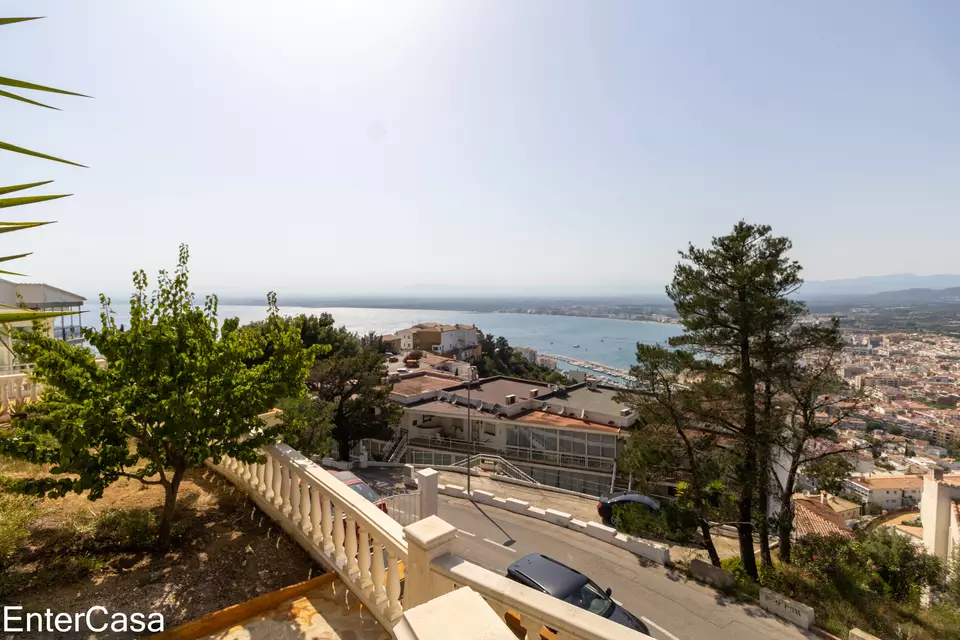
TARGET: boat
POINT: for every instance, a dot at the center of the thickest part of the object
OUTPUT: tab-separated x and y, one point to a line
576	346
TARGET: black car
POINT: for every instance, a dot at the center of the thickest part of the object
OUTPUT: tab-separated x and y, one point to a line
560	581
607	500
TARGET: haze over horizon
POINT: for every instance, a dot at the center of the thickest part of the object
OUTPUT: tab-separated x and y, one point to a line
363	148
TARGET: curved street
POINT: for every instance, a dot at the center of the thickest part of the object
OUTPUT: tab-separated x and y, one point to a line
684	608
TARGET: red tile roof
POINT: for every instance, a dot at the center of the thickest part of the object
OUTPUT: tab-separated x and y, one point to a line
811	517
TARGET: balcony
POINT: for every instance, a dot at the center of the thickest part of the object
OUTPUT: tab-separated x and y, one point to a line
409	578
553	458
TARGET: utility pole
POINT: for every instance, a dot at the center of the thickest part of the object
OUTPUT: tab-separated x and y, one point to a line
471	372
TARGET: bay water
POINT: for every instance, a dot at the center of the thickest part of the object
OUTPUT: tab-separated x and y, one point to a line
605	340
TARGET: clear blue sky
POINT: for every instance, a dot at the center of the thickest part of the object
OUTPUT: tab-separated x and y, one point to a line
478	146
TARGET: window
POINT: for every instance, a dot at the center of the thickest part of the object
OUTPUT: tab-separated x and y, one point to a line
489	429
427	419
414	423
590	597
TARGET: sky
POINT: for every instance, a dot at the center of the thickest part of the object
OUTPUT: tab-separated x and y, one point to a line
481	145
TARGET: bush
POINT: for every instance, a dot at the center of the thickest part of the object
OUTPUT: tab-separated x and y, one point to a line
669	523
17	512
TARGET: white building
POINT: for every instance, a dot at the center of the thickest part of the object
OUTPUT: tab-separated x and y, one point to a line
940	515
38	297
887	491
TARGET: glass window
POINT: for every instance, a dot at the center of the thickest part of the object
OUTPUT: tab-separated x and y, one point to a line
523	437
590	597
512	436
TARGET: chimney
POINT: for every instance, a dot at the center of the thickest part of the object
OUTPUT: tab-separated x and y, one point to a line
534	393
510	399
823	497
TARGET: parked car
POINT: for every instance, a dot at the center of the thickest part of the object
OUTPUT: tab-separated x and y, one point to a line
351	480
607	500
560	581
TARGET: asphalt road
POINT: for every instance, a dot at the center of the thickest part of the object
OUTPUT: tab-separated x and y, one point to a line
684	608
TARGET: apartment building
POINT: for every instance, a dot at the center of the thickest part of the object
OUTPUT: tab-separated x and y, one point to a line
461	340
940	514
887	491
568	438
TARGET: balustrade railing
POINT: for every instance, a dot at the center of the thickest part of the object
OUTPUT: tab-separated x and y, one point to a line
15	389
332	522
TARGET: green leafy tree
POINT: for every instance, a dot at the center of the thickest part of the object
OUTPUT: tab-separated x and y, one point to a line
350	387
498	358
733	300
175	392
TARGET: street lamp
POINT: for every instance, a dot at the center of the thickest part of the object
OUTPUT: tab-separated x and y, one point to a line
471	376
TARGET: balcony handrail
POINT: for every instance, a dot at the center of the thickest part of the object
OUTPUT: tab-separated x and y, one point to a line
535	609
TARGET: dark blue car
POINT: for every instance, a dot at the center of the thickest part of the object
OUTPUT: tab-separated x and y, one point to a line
560	581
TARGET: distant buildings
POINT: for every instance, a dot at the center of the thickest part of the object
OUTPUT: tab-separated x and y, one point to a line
887	491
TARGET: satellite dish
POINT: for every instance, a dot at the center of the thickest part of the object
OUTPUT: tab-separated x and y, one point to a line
544	406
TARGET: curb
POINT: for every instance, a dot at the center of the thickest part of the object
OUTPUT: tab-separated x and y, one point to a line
654	551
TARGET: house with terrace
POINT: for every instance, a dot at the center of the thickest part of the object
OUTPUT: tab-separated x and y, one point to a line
564	437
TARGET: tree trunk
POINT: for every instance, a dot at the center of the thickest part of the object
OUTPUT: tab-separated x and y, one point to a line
785	517
763	525
708	543
745	531
785	530
169	508
343	449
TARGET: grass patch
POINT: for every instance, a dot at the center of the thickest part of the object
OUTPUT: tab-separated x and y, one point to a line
17	513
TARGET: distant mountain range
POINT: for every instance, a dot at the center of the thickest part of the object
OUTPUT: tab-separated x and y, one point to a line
915	296
868	285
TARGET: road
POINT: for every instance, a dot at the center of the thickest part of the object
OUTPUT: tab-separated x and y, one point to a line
683	607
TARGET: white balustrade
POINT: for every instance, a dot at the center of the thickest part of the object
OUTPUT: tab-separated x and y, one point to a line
336	525
15	388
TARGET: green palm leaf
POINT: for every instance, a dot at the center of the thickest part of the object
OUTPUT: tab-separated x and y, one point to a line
22	84
12	273
20	316
21	187
37	154
16	202
13	96
17	257
4	21
7	227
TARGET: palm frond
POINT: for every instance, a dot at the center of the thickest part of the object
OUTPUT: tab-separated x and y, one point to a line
21	187
13	96
16	202
23	84
9	147
4	21
7	227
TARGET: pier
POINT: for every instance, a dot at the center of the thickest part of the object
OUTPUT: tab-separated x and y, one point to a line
592	366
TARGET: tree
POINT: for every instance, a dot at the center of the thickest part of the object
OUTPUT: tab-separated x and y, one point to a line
813	401
896	430
498	358
176	391
352	384
668	445
733	299
7	227
829	472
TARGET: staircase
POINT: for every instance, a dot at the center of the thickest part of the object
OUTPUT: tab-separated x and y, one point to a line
399	448
487	462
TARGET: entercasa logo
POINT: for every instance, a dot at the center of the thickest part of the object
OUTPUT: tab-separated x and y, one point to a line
96	619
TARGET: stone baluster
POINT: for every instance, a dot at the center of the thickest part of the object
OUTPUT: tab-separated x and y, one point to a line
394	608
326	513
33	391
353	569
261	469
277	484
532	626
305	490
268	479
363	543
285	490
5	395
294	497
378	574
315	515
245	472
18	387
339	556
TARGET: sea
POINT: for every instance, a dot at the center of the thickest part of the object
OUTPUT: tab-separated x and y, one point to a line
608	341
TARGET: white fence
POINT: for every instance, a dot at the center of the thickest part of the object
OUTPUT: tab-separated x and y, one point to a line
17	388
404	507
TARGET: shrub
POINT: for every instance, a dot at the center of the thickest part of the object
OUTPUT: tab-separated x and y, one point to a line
126	528
669	523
